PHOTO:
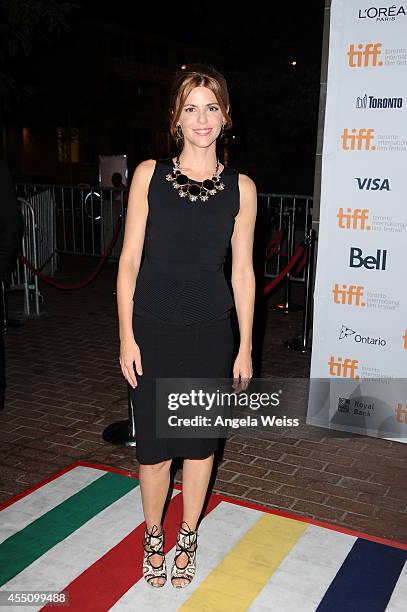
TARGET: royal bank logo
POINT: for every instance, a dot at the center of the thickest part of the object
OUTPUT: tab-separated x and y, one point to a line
369	262
343	405
359	408
372	184
343	367
363	56
358	139
353	219
373	102
348	333
352	295
383	13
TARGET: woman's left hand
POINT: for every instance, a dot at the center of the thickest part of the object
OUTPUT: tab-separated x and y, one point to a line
242	368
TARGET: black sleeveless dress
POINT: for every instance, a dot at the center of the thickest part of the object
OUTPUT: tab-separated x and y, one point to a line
182	303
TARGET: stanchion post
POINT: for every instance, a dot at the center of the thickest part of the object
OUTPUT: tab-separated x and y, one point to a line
286	307
309	286
122	432
303	344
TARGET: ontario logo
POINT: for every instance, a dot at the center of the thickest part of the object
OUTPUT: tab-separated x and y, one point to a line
358	139
373	102
383	13
353	218
362	56
347	332
372	184
344	367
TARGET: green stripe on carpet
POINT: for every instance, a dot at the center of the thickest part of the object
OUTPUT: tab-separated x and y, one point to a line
27	545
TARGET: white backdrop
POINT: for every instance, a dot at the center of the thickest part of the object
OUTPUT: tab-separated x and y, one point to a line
359	351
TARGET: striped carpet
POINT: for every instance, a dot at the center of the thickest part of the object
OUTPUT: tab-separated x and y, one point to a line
80	531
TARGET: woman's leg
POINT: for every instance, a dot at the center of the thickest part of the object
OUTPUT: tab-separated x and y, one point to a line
154	484
196	474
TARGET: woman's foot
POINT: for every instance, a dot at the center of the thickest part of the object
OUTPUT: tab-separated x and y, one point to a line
184	565
154	567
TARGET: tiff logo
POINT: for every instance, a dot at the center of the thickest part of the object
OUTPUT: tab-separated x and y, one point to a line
359	140
353	219
366	55
404	336
345	368
401	413
351	295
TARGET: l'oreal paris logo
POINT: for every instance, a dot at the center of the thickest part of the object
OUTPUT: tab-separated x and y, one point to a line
383	13
373	184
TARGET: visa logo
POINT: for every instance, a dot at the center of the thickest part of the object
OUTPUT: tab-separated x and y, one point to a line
373	184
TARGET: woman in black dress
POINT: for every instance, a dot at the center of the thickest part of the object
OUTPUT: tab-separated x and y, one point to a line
174	310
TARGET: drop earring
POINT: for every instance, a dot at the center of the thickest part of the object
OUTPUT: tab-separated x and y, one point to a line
179	133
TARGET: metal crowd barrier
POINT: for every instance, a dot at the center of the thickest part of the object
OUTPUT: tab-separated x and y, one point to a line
38	246
293	215
80	220
85	216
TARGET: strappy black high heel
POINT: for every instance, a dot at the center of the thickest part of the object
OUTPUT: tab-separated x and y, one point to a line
153	544
187	543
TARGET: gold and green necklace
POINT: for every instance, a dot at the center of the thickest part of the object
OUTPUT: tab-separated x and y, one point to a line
194	192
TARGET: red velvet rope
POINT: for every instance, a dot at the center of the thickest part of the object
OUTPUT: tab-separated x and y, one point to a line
88	279
293	261
274	244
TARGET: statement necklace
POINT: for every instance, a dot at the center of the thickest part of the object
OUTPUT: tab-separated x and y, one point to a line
191	190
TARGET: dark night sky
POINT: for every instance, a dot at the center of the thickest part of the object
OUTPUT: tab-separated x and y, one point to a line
274	105
253	28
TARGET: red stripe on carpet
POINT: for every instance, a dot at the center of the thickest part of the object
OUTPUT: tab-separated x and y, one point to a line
110	577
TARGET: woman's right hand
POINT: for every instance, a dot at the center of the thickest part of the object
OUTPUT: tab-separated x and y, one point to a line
129	356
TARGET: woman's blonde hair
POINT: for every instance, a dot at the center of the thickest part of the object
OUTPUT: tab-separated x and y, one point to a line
198	75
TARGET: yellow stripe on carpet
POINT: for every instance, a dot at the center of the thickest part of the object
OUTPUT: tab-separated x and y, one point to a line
235	582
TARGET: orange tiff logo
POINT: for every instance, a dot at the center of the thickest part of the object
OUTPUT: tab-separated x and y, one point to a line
346	368
358	140
353	218
404	336
365	55
401	413
351	295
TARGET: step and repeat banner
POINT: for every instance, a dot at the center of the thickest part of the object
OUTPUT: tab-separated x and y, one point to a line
359	351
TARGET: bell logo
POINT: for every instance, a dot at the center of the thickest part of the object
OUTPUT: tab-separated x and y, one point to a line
345	368
353	219
359	140
351	295
401	413
370	263
365	55
404	336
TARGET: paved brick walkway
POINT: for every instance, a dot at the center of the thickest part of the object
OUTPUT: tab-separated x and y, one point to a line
64	386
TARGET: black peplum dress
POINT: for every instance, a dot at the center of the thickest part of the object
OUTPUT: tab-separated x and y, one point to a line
182	303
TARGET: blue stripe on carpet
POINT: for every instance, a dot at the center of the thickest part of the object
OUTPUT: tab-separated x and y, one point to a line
366	579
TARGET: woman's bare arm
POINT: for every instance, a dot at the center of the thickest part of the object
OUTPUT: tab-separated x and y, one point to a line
130	257
243	279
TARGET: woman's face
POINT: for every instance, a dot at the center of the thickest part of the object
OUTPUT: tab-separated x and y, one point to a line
201	117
